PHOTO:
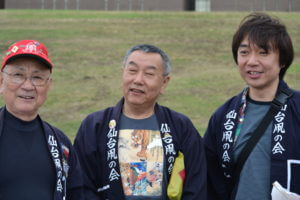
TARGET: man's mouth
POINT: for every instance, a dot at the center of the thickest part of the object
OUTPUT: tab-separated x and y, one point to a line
136	90
254	72
26	97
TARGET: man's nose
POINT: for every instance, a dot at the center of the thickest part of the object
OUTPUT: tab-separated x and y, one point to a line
28	83
139	78
253	59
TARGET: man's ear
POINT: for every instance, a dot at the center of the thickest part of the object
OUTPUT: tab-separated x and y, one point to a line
50	83
1	82
165	84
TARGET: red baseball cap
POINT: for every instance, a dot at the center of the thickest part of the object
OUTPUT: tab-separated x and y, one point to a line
27	48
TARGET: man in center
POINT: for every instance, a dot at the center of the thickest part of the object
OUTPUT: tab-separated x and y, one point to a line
128	151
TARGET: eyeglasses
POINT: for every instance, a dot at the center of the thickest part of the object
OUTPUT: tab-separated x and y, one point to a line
20	78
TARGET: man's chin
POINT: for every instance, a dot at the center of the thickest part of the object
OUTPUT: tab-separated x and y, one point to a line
135	103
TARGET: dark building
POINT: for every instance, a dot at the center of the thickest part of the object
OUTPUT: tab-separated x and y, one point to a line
160	5
171	5
255	5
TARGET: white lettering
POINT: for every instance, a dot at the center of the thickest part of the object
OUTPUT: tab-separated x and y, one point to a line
226	157
279	128
226	146
113	175
112	133
280	117
111	143
52	141
165	128
112	164
231	115
278	148
59	186
111	154
170	149
227	136
278	138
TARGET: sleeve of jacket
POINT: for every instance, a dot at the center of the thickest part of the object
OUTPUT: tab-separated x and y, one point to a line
195	163
86	148
74	180
217	189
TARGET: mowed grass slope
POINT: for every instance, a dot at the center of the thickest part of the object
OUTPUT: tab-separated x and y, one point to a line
87	48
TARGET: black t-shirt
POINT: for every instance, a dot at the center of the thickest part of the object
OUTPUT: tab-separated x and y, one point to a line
26	169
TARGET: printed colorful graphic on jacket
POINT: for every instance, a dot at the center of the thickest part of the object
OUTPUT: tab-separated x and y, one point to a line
141	162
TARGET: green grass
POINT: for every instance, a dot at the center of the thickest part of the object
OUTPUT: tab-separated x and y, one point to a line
87	48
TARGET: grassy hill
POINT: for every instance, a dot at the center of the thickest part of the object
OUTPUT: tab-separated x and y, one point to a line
87	48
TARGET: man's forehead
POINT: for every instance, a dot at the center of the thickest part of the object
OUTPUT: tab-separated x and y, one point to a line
246	42
150	58
134	64
14	66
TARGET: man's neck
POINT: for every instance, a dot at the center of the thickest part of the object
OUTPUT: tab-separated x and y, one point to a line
263	95
24	117
137	111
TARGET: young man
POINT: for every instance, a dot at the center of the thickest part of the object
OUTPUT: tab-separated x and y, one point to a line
128	151
263	52
37	160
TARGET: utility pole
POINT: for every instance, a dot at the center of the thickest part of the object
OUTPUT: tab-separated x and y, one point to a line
106	5
77	4
235	5
43	4
118	4
130	5
264	5
142	4
66	4
252	6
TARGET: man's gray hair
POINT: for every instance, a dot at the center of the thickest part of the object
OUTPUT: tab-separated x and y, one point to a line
150	49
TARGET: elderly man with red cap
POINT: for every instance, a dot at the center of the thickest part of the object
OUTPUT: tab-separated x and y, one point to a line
37	160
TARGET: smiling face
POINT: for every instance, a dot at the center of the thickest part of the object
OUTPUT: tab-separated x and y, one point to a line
23	100
258	67
143	79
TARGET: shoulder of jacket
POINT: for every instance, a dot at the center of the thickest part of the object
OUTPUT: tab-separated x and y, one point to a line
176	117
98	116
61	136
226	107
